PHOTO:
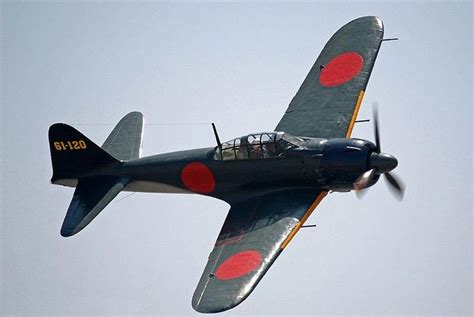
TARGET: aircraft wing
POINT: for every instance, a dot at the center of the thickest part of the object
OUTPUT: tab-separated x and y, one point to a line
327	103
254	233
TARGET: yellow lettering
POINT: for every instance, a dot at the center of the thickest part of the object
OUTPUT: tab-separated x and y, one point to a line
70	145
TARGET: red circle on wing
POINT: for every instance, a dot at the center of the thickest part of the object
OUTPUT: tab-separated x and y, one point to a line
341	69
239	265
198	178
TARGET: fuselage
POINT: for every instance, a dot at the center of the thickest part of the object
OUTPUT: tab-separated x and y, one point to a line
275	161
252	164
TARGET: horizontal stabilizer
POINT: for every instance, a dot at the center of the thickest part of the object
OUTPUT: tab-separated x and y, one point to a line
91	196
125	140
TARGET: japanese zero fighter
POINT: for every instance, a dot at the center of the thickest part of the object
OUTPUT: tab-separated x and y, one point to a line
272	181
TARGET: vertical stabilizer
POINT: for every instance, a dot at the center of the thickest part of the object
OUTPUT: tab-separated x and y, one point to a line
73	154
80	163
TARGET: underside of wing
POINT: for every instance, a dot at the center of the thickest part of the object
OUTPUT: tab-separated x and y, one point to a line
327	103
253	235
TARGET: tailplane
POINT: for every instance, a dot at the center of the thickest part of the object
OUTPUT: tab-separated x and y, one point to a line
91	196
125	141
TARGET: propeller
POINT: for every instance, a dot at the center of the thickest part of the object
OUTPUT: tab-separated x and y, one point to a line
380	163
396	186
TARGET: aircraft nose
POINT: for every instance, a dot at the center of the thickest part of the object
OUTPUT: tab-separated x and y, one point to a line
383	162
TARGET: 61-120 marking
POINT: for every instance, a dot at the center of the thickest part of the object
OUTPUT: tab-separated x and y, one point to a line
70	145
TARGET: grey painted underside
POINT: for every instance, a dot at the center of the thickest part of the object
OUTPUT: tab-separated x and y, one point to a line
325	112
260	224
125	140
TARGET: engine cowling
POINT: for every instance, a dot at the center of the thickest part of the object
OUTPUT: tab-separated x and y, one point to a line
344	160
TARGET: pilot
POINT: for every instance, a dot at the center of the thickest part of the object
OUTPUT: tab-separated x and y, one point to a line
268	150
241	149
228	154
255	149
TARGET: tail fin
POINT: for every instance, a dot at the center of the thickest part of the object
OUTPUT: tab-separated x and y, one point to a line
72	153
76	158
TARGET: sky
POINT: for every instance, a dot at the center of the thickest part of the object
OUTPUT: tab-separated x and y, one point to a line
236	64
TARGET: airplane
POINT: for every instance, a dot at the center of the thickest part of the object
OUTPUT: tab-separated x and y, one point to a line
273	181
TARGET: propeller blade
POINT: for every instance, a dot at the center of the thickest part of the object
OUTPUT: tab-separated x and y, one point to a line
361	193
376	127
396	186
364	180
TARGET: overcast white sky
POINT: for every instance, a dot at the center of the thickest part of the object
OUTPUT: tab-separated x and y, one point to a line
238	65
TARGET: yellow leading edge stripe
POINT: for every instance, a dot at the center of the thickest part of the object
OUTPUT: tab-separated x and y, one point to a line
303	220
354	115
323	194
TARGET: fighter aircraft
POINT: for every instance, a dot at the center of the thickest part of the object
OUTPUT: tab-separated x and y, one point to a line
273	181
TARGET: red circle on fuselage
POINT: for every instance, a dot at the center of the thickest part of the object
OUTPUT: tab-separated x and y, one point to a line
341	69
198	178
239	265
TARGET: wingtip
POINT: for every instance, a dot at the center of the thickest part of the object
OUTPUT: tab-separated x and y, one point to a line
204	302
370	19
215	306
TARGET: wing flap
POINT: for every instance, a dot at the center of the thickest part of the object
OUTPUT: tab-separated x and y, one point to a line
254	233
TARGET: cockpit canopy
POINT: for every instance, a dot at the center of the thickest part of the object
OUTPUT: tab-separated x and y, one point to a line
257	146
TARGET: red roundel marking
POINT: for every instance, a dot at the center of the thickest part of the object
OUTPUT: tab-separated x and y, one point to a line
198	178
239	265
341	69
